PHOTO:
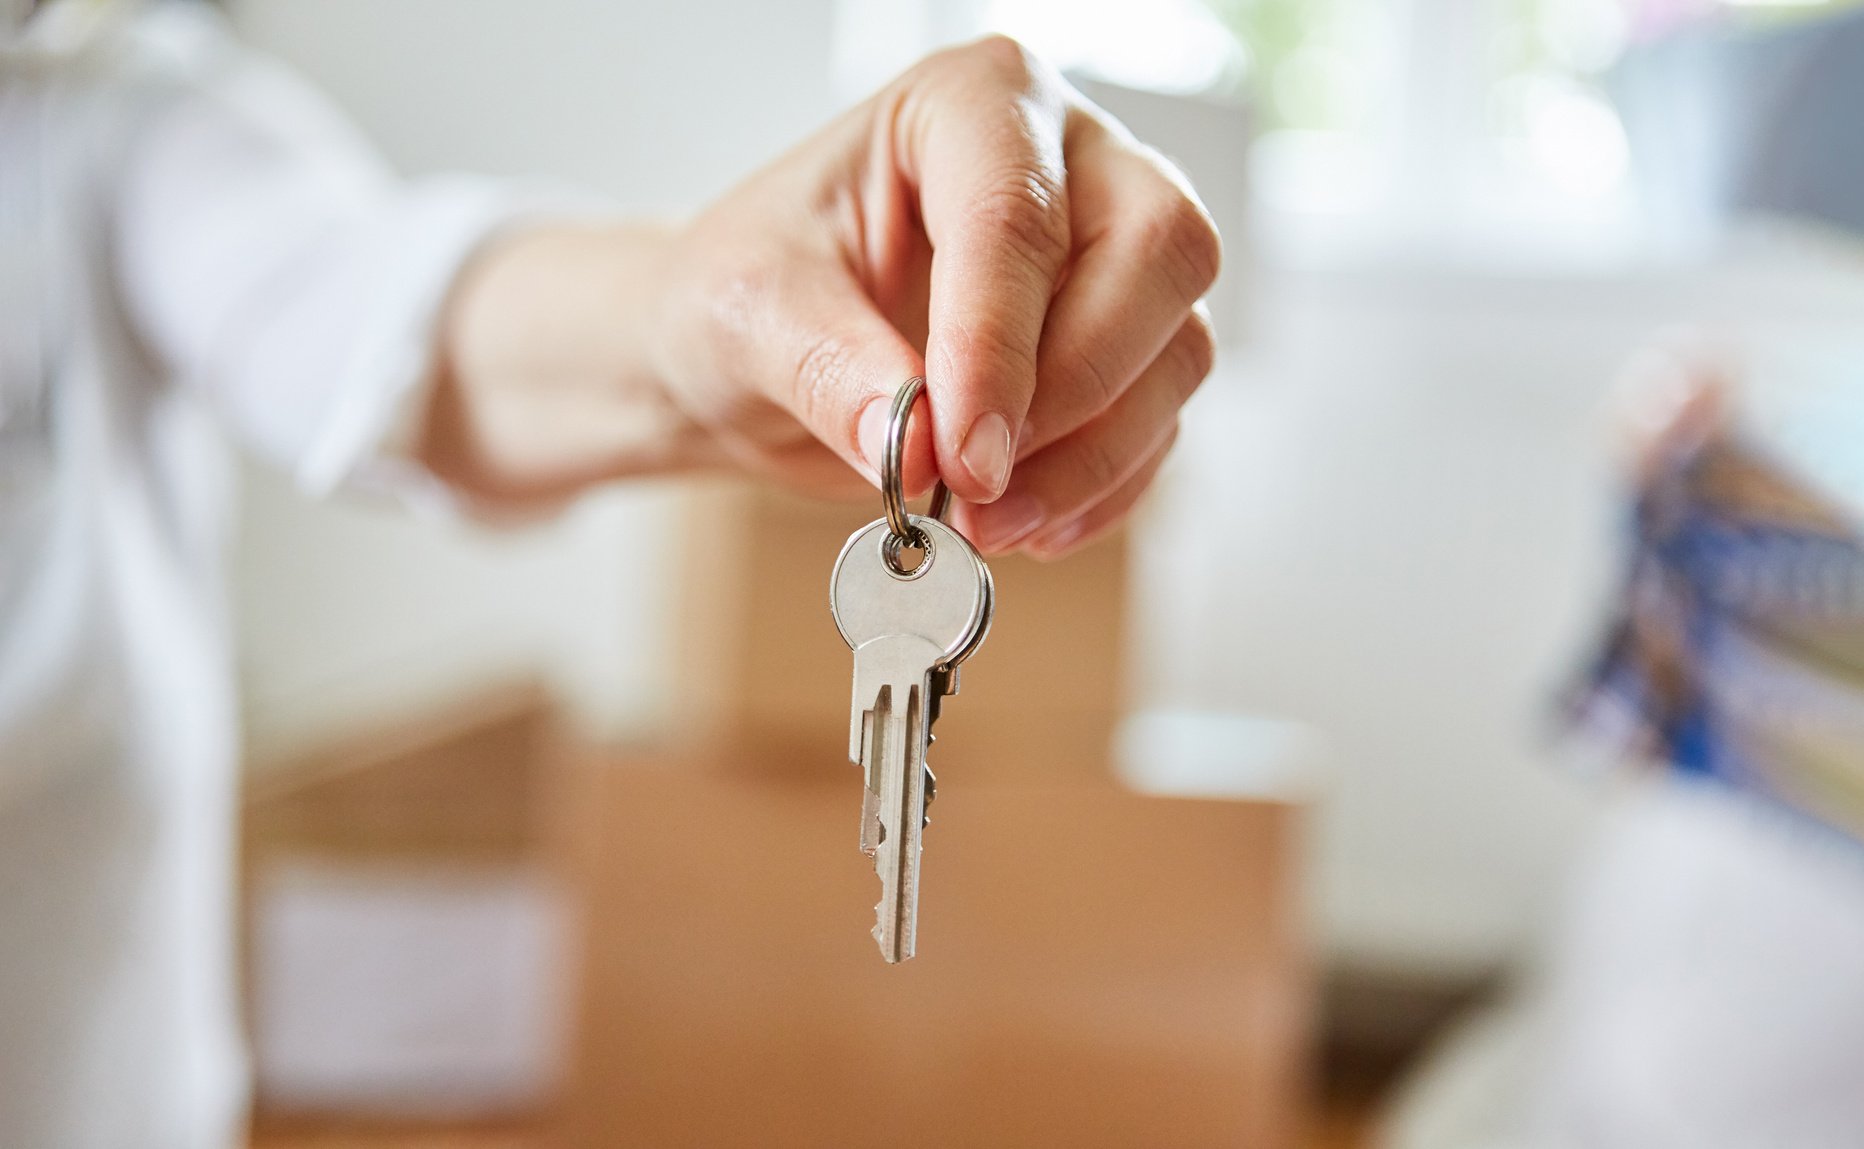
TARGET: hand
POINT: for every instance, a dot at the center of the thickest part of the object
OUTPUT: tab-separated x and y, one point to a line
977	222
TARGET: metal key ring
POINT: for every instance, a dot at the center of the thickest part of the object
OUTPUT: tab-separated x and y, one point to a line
892	478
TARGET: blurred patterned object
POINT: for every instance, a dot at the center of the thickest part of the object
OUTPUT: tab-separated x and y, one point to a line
1739	654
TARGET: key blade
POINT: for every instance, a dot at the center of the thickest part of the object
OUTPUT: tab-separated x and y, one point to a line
894	677
901	822
873	725
884	668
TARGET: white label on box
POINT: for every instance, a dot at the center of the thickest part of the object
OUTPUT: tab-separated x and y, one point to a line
418	989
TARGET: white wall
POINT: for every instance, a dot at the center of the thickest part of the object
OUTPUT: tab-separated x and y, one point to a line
351	614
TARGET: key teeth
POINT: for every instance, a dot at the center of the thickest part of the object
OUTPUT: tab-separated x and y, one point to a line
871	827
880	934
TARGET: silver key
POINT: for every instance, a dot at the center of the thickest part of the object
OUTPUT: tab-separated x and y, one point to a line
908	630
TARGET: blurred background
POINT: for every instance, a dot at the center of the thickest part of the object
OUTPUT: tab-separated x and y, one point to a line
1321	666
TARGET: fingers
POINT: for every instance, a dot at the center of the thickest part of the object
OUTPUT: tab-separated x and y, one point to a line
984	227
1146	251
849	365
810	331
1104	515
979	133
1058	484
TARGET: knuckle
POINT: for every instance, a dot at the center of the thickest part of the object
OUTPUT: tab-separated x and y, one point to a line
1180	231
1088	362
996	342
1027	205
1004	59
821	374
1100	470
1197	349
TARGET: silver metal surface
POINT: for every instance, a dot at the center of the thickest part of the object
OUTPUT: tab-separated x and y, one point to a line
893	477
892	459
941	502
908	633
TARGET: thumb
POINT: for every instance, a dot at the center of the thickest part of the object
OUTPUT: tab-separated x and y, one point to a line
836	364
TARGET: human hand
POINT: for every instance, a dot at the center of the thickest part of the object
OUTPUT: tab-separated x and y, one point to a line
980	223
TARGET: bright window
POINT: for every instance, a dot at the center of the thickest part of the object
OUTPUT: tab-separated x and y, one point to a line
1469	129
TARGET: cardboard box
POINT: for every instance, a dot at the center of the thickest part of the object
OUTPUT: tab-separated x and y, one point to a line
1095	968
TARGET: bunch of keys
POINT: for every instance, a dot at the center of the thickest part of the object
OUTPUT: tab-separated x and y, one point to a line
909	628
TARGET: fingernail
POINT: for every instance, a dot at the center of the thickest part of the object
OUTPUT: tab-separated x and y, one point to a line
872	431
1007	521
986	452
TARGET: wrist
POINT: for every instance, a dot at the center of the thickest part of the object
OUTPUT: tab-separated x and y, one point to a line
550	378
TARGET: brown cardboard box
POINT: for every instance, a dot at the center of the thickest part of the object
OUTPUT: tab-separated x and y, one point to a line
1095	968
762	666
407	937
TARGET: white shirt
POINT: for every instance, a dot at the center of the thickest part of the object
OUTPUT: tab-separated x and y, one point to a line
190	240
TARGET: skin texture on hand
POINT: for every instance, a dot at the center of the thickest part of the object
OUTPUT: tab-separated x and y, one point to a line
977	221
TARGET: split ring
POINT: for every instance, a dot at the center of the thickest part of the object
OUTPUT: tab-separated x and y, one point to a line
893	480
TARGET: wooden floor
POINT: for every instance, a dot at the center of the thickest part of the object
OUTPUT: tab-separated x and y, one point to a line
1342	1127
301	1135
1345	1127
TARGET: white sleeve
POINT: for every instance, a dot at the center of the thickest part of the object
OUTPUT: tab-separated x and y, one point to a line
278	268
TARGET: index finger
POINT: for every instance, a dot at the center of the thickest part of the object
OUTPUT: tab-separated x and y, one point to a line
980	135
